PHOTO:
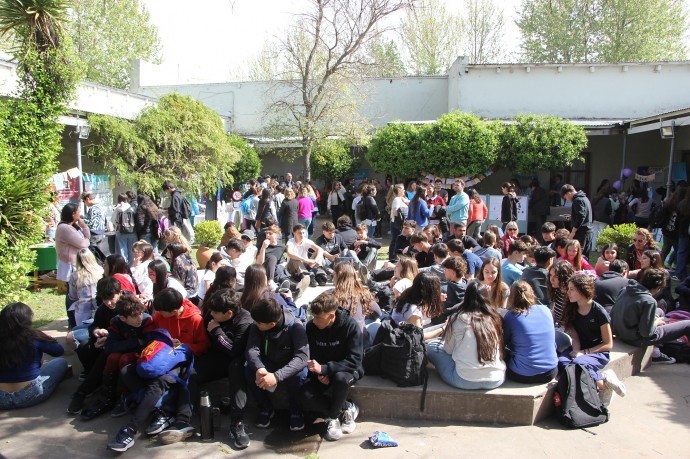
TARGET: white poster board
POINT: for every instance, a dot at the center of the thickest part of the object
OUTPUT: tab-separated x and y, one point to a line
495	202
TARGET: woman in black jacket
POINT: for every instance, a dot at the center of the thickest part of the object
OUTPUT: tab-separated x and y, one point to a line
146	222
288	214
371	210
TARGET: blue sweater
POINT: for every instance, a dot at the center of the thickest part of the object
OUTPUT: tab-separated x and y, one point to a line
532	341
30	368
421	213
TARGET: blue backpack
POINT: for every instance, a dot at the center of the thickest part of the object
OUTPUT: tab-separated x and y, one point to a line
161	356
246	206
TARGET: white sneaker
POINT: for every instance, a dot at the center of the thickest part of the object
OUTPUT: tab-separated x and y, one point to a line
348	417
333	430
612	382
272	286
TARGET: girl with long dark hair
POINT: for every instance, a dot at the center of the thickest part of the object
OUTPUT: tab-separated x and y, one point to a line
23	381
420	303
182	267
256	289
226	277
158	273
470	353
418	209
146	222
115	265
490	276
266	215
557	288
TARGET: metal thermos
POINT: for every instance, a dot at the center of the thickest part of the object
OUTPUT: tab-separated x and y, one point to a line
206	417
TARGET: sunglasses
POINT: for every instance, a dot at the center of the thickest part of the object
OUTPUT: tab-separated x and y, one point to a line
512	229
638	240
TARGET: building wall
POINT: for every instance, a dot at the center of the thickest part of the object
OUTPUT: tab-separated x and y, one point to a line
624	91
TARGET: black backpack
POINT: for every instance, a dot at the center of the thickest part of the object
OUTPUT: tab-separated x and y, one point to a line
186	210
580	405
361	210
399	354
126	221
657	217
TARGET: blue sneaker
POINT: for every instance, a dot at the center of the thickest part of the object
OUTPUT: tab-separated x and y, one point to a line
123	440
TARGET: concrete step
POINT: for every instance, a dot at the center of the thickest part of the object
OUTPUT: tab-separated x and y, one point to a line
512	403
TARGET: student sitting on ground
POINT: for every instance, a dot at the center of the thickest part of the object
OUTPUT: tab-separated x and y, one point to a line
420	243
402	243
90	342
420	303
235	251
573	255
366	247
226	277
490	277
440	252
82	287
125	339
511	270
609	253
354	299
548	234
529	333
589	326
24	381
557	289
183	320
158	273
277	353
470	353
610	284
256	288
454	270
335	348
228	328
300	264
488	249
332	244
537	276
636	319
474	263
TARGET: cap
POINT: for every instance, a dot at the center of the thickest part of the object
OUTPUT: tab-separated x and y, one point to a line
248	234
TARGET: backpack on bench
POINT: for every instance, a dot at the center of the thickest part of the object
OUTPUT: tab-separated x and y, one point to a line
399	354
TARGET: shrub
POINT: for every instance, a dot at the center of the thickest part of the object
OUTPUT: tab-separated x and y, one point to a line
208	233
620	234
333	160
395	150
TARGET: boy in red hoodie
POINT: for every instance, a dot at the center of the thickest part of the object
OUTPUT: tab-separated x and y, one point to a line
184	322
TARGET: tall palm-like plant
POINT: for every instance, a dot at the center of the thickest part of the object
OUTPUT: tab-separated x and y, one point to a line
38	23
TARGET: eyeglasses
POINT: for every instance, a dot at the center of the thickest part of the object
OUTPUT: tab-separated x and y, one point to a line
638	240
512	229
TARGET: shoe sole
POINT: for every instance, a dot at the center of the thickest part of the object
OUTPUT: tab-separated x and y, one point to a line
239	446
297	429
121	450
173	436
664	362
162	427
347	428
268	424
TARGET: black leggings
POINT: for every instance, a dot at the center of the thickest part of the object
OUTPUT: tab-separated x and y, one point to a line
536	379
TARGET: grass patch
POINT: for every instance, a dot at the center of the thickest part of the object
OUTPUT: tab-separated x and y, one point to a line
47	304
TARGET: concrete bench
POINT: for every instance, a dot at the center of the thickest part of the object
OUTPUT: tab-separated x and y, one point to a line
512	403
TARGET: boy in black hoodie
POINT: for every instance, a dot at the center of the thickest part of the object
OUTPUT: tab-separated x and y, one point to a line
277	352
228	330
335	346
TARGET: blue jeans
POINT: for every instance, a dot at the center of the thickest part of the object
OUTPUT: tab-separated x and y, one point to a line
305	222
39	389
445	365
154	242
370	231
124	243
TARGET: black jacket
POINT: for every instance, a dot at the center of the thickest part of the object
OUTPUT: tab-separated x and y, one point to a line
365	248
282	350
371	209
332	246
230	337
537	278
175	209
608	287
348	234
633	317
338	347
581	216
144	224
287	215
509	209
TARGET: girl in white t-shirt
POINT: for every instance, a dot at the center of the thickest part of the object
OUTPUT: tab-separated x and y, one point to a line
420	303
215	262
405	271
470	353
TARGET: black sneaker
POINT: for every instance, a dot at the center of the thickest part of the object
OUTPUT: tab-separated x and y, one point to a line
123	440
312	281
77	403
263	420
296	421
120	409
285	285
321	280
179	431
239	435
159	422
83	375
97	409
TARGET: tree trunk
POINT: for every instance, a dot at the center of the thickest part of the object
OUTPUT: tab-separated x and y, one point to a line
307	159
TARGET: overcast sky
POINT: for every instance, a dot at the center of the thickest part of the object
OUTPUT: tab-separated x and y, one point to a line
217	37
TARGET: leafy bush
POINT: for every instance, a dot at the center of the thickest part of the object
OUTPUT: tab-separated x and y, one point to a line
536	142
620	234
249	164
459	144
395	150
208	233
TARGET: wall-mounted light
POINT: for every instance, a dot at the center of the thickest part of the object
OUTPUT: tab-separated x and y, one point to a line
528	69
667	132
83	131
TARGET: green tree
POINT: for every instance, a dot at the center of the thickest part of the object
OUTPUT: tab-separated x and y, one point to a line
247	167
334	160
574	31
431	36
482	28
30	136
181	138
108	35
536	142
324	49
383	59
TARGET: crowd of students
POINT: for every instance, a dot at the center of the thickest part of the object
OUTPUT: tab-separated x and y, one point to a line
490	310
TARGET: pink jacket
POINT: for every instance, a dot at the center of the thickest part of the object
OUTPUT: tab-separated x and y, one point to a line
69	241
477	211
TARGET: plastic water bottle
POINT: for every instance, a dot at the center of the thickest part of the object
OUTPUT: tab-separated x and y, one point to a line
206	417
